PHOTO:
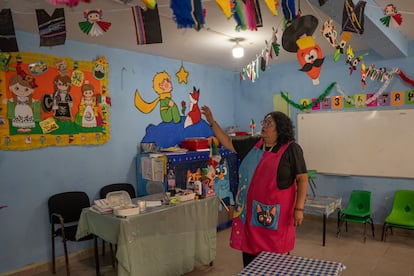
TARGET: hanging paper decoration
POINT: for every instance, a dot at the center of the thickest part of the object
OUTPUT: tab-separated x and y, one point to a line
363	76
392	18
94	26
52	29
275	44
298	38
147	25
349	100
225	7
272	6
68	3
237	8
329	33
150	4
8	42
353	17
289	10
310	104
352	22
404	77
346	37
182	75
253	14
322	2
188	13
352	60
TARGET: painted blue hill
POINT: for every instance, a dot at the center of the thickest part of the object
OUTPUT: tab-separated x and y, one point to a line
170	134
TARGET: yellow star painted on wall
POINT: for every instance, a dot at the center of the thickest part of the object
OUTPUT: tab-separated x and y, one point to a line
182	75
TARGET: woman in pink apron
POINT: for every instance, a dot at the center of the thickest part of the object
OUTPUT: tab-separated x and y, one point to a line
272	188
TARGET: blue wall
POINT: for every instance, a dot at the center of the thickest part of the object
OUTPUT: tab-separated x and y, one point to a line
28	178
255	98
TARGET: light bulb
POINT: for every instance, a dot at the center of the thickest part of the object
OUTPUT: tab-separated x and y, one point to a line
238	51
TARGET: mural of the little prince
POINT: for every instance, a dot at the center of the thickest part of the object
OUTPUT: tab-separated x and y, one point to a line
163	87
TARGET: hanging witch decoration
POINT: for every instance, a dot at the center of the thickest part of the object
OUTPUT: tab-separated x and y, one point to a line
298	38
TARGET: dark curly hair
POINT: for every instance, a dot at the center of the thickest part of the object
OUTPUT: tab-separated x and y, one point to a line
284	127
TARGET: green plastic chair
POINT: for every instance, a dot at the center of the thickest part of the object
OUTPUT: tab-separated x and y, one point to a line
358	210
402	213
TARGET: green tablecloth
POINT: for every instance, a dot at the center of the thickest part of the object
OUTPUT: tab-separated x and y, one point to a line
166	240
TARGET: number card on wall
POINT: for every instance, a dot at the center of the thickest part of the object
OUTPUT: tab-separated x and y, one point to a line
52	101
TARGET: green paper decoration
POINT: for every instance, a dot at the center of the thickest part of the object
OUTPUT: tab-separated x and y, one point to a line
307	106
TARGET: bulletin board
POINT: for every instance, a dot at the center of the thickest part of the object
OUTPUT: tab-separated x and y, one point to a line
366	143
52	101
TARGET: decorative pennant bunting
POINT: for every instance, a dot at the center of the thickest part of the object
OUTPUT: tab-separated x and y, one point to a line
147	25
94	26
353	17
52	29
225	7
188	13
8	42
392	18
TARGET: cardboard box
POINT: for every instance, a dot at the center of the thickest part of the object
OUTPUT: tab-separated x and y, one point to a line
194	144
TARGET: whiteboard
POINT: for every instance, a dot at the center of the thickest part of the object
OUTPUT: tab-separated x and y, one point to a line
366	143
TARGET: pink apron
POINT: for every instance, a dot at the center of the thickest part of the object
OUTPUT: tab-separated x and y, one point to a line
263	218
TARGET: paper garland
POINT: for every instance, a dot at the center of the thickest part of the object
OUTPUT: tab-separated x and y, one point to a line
312	103
339	89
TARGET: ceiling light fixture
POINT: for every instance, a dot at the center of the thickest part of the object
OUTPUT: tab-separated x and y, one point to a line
238	51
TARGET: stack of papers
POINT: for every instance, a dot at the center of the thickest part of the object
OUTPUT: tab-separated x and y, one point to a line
153	203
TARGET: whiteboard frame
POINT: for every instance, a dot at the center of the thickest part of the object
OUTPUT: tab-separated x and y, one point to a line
359	142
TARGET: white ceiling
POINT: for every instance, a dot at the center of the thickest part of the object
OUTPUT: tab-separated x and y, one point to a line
211	45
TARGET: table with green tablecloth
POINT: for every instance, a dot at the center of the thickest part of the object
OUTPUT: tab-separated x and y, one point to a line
165	240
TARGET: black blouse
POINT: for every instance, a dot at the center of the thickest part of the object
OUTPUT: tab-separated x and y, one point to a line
291	164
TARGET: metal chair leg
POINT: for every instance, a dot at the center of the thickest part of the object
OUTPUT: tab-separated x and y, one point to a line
112	255
103	247
384	230
53	253
372	228
95	243
365	231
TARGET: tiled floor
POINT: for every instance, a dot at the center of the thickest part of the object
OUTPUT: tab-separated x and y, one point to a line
393	257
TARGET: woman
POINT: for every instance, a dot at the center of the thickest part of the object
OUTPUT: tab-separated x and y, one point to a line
272	188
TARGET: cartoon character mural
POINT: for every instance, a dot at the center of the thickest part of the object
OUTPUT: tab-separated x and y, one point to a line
297	37
222	185
88	114
42	106
163	87
21	108
62	99
194	115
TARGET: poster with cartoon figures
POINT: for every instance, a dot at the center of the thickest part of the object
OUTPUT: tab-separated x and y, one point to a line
53	101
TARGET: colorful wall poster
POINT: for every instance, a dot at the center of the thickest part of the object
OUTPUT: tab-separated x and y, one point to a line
53	101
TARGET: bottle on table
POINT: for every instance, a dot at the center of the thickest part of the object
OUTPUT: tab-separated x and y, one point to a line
171	182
